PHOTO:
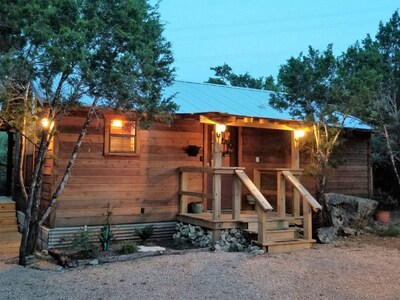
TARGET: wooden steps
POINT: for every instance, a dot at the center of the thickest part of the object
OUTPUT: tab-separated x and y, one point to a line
281	236
10	238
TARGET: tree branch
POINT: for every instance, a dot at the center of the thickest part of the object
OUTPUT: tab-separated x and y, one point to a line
71	163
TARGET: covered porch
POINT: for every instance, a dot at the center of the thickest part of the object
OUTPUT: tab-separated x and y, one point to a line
283	225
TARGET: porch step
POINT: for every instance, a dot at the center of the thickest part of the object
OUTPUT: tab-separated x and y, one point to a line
10	238
287	245
275	223
277	234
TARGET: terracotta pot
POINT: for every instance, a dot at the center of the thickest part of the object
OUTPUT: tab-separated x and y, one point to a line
382	216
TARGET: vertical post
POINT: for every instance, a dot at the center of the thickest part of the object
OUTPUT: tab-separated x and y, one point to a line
257	179
183	184
307	220
262	225
281	195
236	197
295	155
217	177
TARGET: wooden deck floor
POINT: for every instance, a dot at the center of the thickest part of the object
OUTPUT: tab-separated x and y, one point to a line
205	219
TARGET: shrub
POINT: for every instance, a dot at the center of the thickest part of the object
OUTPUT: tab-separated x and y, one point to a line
128	248
391	230
145	233
82	244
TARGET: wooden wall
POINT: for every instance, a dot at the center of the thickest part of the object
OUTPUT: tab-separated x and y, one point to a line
273	149
139	189
352	175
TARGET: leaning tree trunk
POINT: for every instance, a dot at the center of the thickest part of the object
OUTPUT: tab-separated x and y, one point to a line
33	220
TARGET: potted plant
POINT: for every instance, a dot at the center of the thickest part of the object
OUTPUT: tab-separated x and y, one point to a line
386	204
196	207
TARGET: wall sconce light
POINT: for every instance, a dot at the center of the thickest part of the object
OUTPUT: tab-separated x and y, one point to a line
219	129
299	133
46	123
116	123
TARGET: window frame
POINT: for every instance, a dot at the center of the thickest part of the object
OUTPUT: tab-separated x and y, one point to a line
107	136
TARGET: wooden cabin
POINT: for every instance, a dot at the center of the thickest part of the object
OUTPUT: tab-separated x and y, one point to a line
225	148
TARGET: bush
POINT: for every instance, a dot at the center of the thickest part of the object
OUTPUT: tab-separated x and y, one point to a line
128	248
145	233
82	244
391	230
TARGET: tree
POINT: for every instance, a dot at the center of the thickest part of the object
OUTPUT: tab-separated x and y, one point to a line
110	51
313	94
371	73
225	76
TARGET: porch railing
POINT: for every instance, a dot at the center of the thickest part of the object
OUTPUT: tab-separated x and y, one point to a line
299	192
239	178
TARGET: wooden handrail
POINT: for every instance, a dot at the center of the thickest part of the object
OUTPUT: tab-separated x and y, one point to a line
302	190
254	191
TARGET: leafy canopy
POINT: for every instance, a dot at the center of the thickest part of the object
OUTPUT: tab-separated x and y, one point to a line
113	51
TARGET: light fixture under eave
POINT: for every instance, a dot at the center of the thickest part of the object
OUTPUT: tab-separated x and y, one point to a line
116	123
299	133
220	128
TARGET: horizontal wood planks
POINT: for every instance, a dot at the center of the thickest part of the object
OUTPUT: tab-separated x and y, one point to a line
141	188
352	174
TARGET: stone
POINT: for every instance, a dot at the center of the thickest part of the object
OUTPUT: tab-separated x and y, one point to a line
347	231
350	211
94	262
325	235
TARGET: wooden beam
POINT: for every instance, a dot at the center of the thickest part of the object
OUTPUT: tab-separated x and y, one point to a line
195	194
262	225
281	195
236	198
183	184
254	191
266	124
307	220
216	197
295	157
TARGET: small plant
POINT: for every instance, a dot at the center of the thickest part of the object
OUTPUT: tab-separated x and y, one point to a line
391	230
386	201
128	248
82	244
181	244
106	235
145	233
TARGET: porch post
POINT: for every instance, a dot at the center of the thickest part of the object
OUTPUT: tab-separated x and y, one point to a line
217	177
295	154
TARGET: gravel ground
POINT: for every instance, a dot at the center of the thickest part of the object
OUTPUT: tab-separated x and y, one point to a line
348	269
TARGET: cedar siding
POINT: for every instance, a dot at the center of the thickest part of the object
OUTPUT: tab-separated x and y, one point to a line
141	188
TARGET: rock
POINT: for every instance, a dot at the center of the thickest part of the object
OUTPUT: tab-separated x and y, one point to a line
325	235
94	262
347	231
350	211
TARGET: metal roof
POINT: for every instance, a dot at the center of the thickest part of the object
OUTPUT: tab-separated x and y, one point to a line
199	98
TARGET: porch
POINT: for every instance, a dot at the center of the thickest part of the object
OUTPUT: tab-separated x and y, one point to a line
278	230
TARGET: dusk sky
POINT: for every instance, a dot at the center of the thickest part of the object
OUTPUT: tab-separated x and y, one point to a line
258	36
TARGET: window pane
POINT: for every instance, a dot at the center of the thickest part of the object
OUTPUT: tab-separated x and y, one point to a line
122	127
122	144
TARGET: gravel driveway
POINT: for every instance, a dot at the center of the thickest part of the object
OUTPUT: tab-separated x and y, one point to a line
337	271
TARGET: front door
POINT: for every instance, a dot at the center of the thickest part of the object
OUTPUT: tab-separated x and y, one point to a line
229	159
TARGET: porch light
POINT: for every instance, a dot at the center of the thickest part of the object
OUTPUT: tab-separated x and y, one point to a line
116	123
220	128
299	133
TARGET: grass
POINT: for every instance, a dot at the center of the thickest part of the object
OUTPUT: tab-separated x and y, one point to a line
391	230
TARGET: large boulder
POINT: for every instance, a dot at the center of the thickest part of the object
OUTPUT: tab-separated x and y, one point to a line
349	212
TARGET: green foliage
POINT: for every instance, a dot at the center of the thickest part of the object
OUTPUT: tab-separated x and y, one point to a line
225	76
106	234
71	49
386	201
128	248
181	243
145	233
82	244
391	230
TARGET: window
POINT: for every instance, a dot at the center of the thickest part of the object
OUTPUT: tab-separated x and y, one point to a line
121	137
